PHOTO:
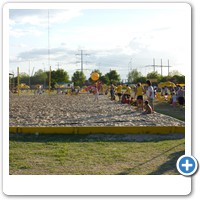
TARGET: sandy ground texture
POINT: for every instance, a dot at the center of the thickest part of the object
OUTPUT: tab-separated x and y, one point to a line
79	110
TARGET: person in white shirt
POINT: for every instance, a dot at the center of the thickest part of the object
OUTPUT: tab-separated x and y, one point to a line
96	93
150	94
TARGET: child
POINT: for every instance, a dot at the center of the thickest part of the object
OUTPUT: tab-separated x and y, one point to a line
96	93
147	107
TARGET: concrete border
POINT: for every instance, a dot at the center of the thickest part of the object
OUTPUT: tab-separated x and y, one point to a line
99	130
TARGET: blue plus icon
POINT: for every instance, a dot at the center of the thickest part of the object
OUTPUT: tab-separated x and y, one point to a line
187	165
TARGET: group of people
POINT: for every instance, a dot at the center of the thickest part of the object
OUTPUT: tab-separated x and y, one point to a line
178	96
146	107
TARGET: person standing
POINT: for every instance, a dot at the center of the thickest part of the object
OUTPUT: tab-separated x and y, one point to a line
112	92
96	93
139	95
119	91
181	98
150	94
128	91
174	99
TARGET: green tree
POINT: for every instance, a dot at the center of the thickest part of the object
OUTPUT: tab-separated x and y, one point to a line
58	76
104	79
39	77
78	78
154	75
134	76
113	77
165	78
141	79
175	79
178	79
174	73
24	78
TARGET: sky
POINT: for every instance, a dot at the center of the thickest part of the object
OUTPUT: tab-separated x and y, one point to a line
118	38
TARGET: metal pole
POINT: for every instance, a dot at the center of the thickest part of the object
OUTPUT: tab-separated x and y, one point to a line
81	60
44	76
161	67
48	42
29	75
168	67
49	80
18	80
13	82
154	67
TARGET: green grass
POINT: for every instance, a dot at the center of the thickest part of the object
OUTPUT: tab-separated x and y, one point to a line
166	109
95	154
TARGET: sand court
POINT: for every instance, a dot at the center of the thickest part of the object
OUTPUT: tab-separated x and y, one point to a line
79	110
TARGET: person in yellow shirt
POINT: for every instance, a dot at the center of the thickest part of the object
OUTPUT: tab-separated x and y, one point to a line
128	91
119	91
139	95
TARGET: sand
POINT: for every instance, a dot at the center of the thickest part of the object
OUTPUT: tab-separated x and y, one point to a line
79	110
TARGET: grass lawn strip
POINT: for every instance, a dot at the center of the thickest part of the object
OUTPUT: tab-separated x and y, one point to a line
103	155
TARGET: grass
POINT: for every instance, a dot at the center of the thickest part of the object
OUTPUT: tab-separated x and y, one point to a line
166	109
95	154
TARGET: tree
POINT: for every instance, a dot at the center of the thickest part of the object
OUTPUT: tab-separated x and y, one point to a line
24	78
39	77
104	79
141	79
58	76
174	72
154	75
113	77
178	79
134	76
165	79
78	78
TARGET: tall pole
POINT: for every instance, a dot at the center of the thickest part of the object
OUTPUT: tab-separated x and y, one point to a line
154	67
48	42
44	79
49	80
13	82
49	57
161	67
18	80
82	54
81	60
29	75
168	67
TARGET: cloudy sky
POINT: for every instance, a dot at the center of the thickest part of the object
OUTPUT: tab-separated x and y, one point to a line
112	36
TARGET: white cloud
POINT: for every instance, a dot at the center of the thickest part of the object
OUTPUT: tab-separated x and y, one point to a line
63	15
25	32
162	36
40	17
